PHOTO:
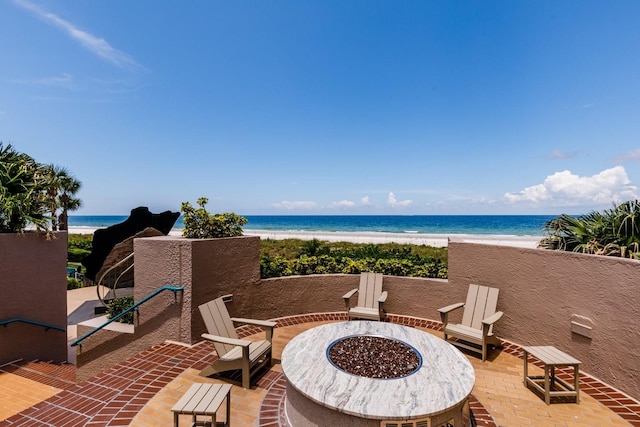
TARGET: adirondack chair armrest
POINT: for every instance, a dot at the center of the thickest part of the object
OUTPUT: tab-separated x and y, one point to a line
266	325
486	323
226	340
444	311
350	293
255	322
493	318
451	307
348	296
383	297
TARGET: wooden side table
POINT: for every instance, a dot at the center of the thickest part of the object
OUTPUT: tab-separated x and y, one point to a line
549	384
203	399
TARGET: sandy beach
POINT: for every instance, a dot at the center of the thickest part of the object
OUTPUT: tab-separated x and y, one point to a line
436	240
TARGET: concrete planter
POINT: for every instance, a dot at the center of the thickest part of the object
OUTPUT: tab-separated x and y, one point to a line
33	286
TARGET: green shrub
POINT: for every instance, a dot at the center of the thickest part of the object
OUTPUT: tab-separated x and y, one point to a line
81	241
296	257
274	267
200	224
76	254
119	305
74	283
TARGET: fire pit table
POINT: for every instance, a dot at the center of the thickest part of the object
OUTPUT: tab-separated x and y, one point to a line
363	373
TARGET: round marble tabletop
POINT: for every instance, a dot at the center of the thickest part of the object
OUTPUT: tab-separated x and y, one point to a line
444	380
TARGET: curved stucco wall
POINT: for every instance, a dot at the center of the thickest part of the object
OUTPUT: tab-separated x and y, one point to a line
540	292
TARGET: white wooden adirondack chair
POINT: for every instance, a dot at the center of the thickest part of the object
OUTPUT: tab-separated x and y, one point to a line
475	332
370	298
234	353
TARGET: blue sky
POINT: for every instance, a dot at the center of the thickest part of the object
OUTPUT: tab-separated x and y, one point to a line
329	107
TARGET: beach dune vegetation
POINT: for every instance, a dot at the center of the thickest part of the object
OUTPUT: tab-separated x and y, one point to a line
612	232
296	257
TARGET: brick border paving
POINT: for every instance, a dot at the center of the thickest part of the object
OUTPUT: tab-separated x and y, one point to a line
115	396
272	409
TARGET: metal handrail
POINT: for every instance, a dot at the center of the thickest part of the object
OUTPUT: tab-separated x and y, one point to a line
113	267
46	326
135	306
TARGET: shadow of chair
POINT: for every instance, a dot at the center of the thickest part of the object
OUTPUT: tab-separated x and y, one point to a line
475	331
234	353
370	298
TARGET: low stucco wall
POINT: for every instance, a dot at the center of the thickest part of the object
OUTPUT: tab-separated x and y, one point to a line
287	296
540	292
33	286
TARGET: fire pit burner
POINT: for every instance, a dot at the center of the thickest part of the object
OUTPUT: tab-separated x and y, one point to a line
374	356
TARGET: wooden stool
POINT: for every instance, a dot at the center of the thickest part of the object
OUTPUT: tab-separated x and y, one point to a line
203	399
552	357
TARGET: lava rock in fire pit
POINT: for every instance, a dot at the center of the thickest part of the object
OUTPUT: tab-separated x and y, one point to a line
374	357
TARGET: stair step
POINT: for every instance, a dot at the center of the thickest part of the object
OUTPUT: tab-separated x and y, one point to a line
55	374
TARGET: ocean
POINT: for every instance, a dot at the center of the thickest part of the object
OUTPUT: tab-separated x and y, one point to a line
512	225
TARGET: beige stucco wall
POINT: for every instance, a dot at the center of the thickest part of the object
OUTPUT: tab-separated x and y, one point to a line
287	296
206	268
540	290
33	286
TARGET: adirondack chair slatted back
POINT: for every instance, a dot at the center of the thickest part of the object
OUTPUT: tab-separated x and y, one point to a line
481	303
369	290
218	322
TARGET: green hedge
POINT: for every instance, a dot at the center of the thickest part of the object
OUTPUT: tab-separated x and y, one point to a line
74	283
315	257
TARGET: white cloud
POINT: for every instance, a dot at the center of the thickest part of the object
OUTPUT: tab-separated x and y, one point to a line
365	201
632	156
295	205
559	154
65	80
391	201
567	189
97	46
342	204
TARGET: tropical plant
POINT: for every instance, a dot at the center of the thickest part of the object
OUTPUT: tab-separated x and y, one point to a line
69	187
60	187
613	232
200	224
32	193
22	200
118	306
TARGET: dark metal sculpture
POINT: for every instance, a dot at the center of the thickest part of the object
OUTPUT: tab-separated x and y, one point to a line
105	239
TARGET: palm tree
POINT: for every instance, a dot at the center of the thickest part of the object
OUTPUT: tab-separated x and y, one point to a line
52	182
69	187
613	232
21	199
60	187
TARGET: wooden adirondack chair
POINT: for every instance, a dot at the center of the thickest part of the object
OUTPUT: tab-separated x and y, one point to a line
234	353
370	298
475	332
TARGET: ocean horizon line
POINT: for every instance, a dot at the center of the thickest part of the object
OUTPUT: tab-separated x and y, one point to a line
408	225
